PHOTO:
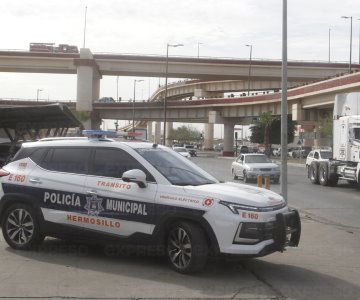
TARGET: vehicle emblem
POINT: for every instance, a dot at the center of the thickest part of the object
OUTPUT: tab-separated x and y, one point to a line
94	205
208	202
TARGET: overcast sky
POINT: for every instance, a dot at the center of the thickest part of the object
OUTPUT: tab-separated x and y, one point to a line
223	27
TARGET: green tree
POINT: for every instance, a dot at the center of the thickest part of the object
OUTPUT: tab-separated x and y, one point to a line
184	134
274	131
266	119
325	125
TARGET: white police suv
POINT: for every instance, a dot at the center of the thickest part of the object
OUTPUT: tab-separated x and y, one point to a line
137	192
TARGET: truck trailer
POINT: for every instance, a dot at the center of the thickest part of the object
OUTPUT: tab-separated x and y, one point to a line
345	163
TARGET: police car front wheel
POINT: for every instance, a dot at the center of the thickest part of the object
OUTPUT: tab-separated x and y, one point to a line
20	227
187	247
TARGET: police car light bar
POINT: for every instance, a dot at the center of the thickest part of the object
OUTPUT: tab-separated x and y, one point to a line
98	133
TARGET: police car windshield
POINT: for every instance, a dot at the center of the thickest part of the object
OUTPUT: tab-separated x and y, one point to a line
177	169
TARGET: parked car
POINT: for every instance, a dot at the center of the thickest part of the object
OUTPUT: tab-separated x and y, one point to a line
241	149
301	152
318	155
219	147
249	165
276	152
182	150
191	149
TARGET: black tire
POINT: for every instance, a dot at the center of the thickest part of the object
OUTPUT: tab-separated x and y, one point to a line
245	178
233	174
276	181
187	247
323	175
333	180
20	227
314	173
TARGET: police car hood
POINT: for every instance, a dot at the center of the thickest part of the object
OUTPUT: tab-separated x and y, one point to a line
239	193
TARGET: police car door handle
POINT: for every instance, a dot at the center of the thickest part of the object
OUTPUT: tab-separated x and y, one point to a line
93	193
35	180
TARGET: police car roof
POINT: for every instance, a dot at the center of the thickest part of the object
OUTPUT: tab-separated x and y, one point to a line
89	142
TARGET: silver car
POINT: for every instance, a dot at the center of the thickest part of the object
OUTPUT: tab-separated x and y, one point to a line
249	165
182	151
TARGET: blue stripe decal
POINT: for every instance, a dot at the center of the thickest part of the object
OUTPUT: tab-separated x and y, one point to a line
114	208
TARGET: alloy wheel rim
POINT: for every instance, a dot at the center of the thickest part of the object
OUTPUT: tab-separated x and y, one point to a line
179	248
20	226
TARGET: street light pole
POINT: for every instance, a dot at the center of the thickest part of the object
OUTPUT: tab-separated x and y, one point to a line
349	17
329	43
359	40
133	106
284	106
37	94
166	79
85	27
249	68
198	52
117	88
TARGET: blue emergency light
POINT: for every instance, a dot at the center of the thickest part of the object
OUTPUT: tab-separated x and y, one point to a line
98	133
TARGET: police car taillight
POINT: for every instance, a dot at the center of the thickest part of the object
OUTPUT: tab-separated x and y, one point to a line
3	173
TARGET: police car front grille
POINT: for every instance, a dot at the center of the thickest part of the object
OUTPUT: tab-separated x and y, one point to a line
253	233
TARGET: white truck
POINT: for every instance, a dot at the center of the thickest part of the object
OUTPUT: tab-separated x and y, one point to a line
345	163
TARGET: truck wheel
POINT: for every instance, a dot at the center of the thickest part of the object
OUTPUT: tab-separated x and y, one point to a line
314	173
20	227
333	180
323	175
187	248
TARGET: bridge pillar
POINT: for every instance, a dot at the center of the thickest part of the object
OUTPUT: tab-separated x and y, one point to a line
169	127
149	131
208	136
157	135
297	112
88	88
228	138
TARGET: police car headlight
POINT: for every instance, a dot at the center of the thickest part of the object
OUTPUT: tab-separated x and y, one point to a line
235	208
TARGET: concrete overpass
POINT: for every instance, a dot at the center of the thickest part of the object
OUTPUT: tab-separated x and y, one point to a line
304	104
154	66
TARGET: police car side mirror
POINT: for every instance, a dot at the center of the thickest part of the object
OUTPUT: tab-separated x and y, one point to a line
136	176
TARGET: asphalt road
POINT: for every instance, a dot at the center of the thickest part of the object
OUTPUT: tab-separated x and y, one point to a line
338	205
325	266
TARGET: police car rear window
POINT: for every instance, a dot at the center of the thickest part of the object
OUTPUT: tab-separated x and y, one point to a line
69	159
35	154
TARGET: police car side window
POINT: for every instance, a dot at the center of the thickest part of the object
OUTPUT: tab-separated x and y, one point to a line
34	153
70	160
114	162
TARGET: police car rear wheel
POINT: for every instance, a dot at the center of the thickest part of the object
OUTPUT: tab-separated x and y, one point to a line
20	227
187	248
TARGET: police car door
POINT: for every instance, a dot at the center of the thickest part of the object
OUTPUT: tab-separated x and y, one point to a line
58	182
112	205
